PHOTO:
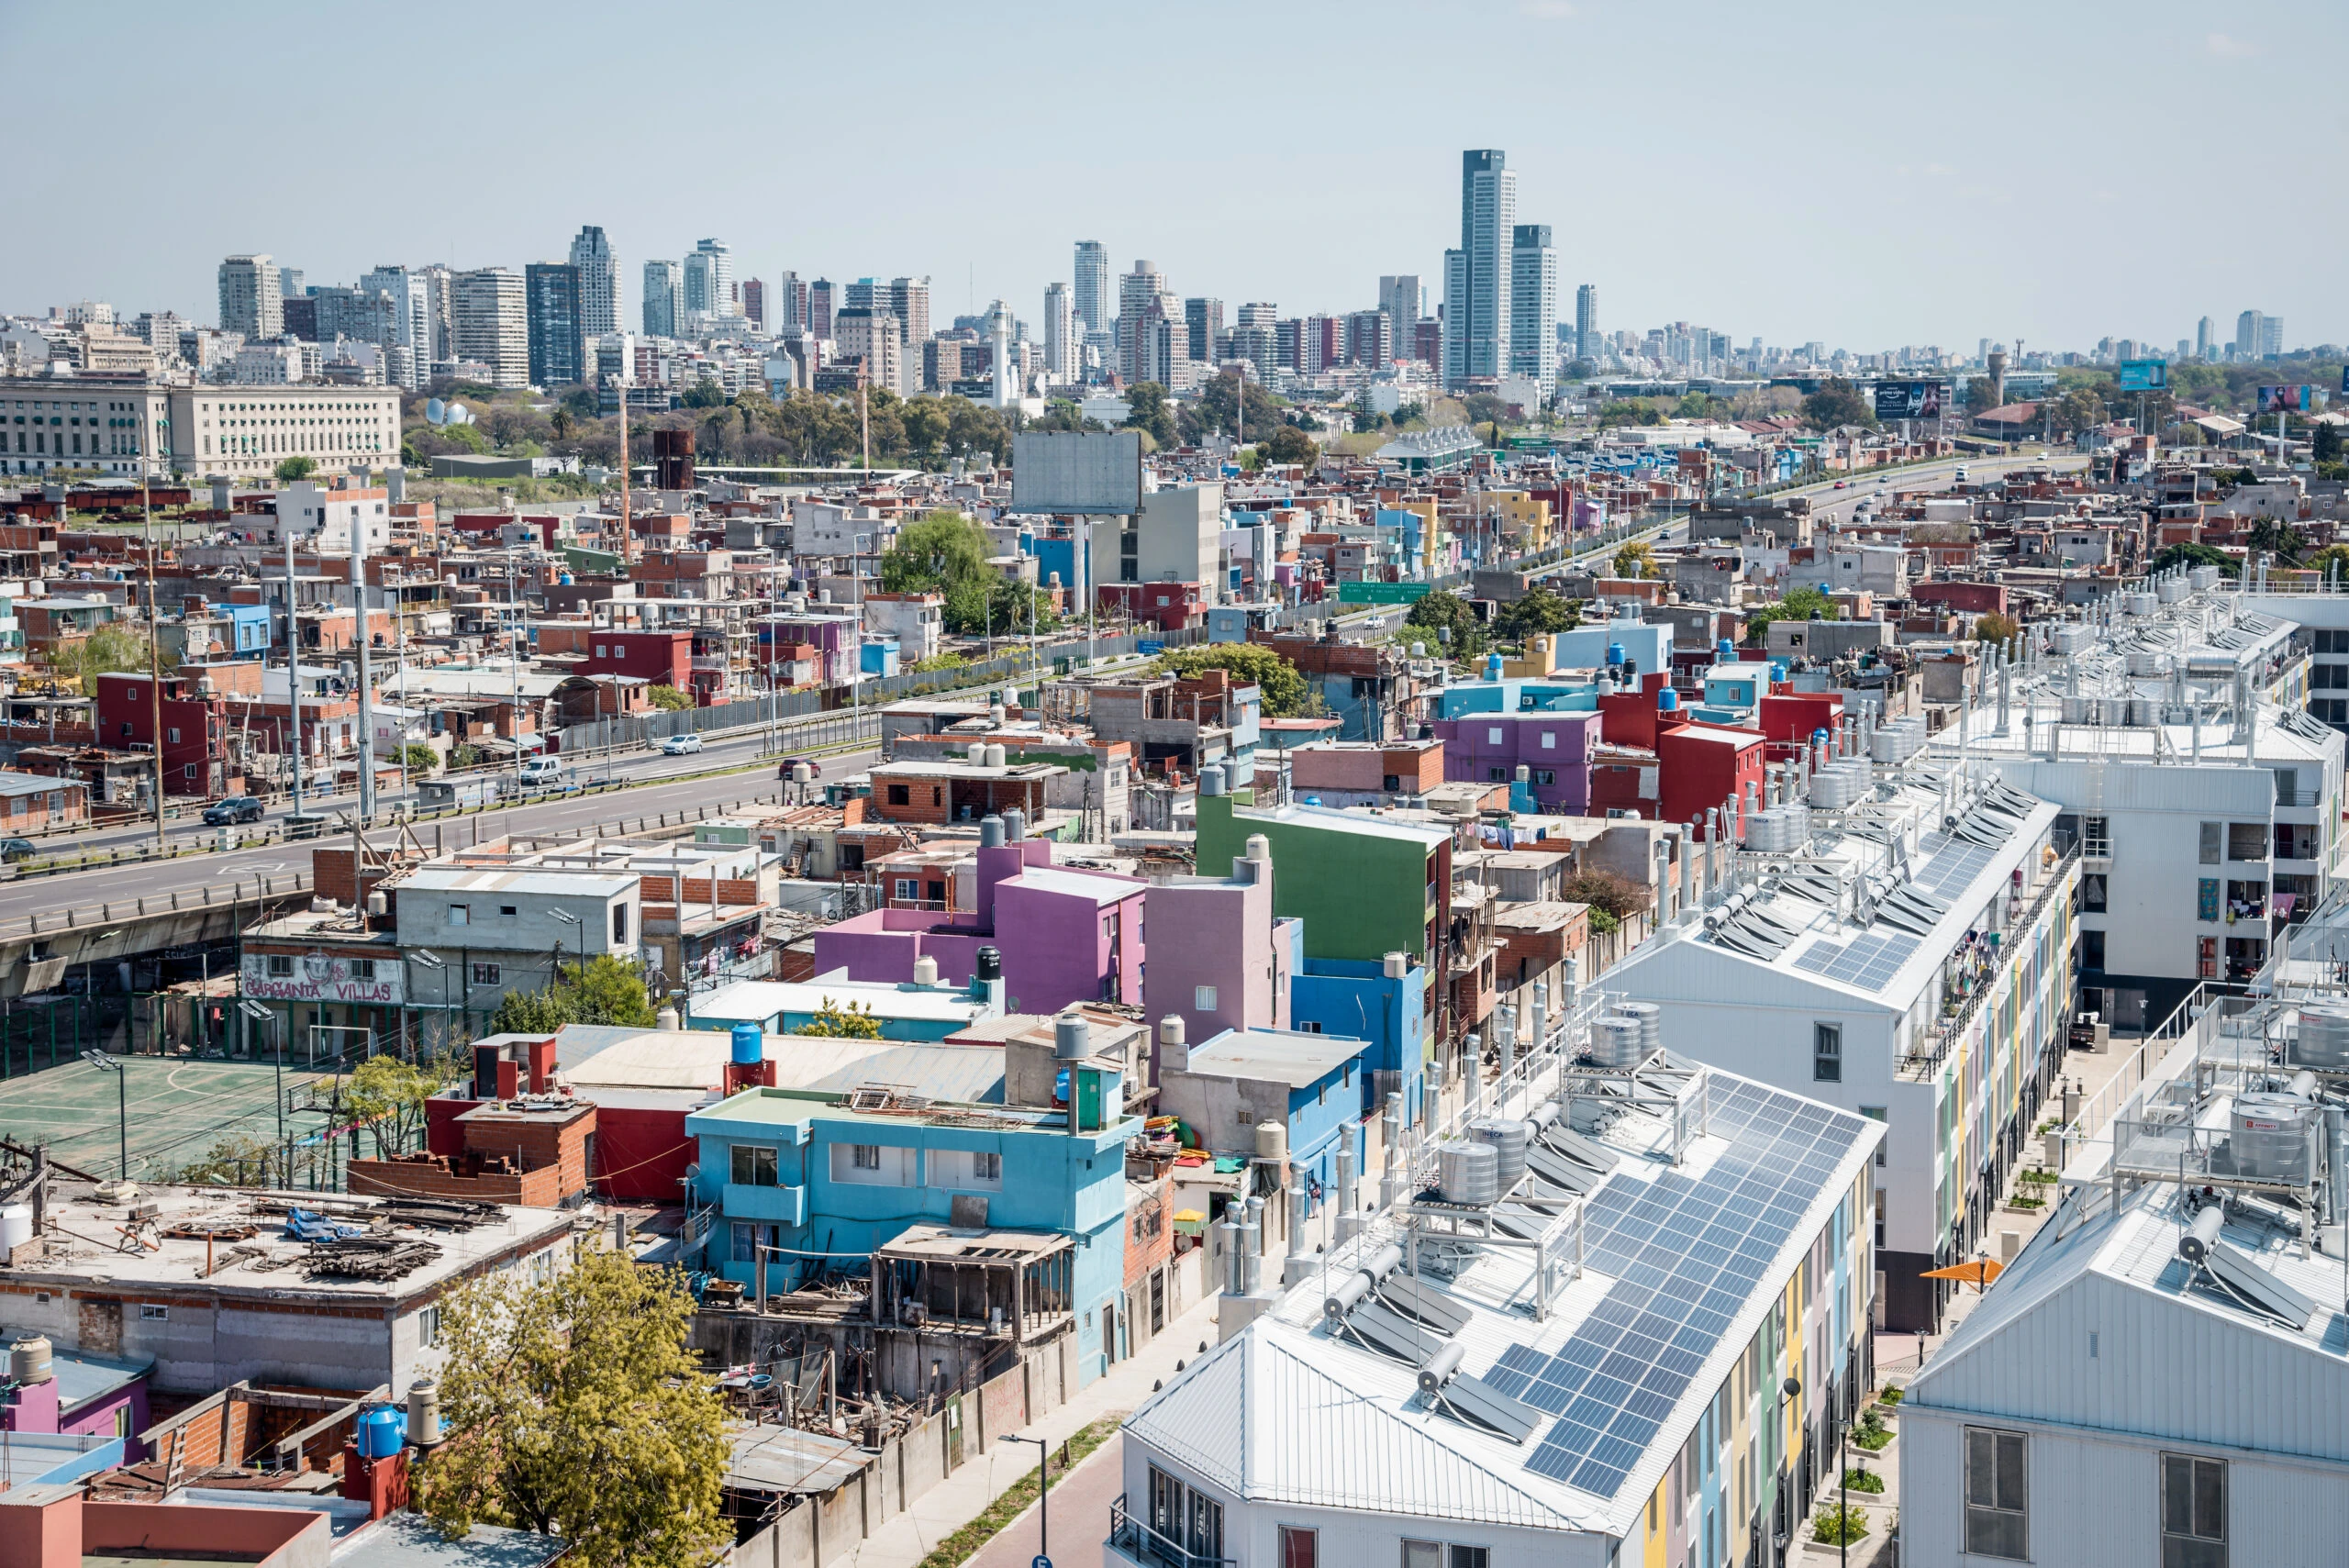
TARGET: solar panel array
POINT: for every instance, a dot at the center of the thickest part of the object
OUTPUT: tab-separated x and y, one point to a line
1958	865
1686	1253
1869	962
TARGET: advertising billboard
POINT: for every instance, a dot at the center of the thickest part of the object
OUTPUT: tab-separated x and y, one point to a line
2144	375
1908	400
1065	471
2288	399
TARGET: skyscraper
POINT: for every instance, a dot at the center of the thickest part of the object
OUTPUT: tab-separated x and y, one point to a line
1144	298
1476	277
493	323
791	301
908	300
599	282
710	279
2247	334
755	302
1405	301
412	322
1586	322
1060	335
1203	321
555	291
2271	334
250	302
1533	303
2202	338
663	283
823	301
1092	298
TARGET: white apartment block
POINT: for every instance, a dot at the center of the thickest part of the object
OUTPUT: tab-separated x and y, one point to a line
493	323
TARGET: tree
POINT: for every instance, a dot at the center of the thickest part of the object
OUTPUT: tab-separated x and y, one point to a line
531	1012
1803	604
575	1406
1695	406
388	1095
835	1021
1636	558
2280	539
1996	627
1251	663
1149	413
1289	444
1537	614
608	991
704	394
1605	890
935	549
668	699
418	758
2325	445
292	469
2332	561
1450	621
1837	402
113	647
1219	404
1626	411
1978	395
563	422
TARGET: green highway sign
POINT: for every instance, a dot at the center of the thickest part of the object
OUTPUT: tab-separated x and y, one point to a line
1380	593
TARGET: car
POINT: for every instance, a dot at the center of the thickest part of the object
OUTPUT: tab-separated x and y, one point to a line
541	770
1960	475
684	745
307	824
814	769
14	850
1842	484
235	809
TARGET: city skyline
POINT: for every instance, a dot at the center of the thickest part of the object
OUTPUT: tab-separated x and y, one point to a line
1938	251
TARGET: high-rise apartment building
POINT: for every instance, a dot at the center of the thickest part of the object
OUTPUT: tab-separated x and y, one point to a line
1203	324
791	302
493	324
2271	334
249	301
1144	298
1533	303
1260	345
599	283
1092	298
290	283
1257	313
1477	318
823	301
1370	339
2247	334
1405	300
873	336
557	310
908	299
1586	322
1060	335
664	282
412	325
2202	338
754	303
1321	344
441	305
709	281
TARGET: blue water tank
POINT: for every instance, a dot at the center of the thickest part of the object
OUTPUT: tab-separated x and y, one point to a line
1777	669
1493	667
1666	699
749	1045
1821	734
563	577
1614	653
1725	650
382	1431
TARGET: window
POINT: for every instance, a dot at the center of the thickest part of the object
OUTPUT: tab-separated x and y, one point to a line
901	795
986	1167
1876	1113
908	887
1997	1493
864	1156
2091	949
487	974
2194	1512
1827	1053
619	924
172	737
1469	1557
1549	740
2092	893
1545	776
754	1165
363	968
2213	843
150	1313
281	966
1496	775
1299	1548
428	1328
2206	898
1422	1555
505	911
1203	998
461	913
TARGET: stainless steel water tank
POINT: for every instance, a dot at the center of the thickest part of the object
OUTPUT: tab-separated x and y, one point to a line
2270	1137
1615	1042
1468	1172
1508	1140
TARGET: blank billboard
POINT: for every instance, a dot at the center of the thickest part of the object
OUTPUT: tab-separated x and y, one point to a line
1065	471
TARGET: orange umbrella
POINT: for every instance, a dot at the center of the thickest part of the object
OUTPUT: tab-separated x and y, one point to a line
1980	1272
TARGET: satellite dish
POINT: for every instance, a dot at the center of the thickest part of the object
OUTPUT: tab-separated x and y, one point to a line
435	411
459	415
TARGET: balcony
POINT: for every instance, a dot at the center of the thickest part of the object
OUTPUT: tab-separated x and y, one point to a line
1933	1044
780	1205
1133	1544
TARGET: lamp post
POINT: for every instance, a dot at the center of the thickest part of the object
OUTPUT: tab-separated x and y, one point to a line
105	1063
431	960
1044	1494
568	918
1788	1390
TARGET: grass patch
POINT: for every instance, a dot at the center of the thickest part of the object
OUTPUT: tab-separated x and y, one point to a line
1875	1441
1891	1395
2026	1203
1839	1526
964	1543
1864	1481
2038	1178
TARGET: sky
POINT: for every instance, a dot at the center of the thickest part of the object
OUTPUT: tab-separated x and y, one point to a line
1865	175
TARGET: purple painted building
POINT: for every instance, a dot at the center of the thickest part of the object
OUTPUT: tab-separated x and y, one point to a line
1487	747
1219	959
839	637
1065	935
83	1396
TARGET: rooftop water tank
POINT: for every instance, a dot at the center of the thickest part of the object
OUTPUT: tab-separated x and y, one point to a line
2270	1137
749	1045
1650	1017
1468	1172
995	756
1666	700
29	1359
1072	1036
1615	1041
1015	826
15	1226
925	973
1614	653
990	830
988	964
1725	650
1508	1140
1272	1141
424	1410
2323	1043
381	1432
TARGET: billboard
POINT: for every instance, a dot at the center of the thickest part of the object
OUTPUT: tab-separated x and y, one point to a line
1908	400
2287	400
1380	593
2144	375
1066	472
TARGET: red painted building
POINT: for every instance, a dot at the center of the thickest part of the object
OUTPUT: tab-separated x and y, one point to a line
660	658
1691	769
1170	606
195	730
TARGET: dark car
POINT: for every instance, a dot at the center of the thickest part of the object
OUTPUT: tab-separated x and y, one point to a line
228	813
814	769
306	824
14	850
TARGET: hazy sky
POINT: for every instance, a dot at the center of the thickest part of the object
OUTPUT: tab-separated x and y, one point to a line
1865	174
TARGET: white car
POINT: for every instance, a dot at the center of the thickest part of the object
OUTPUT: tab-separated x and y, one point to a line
541	770
684	745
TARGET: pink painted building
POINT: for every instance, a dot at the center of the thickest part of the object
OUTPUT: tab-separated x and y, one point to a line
1219	958
1065	935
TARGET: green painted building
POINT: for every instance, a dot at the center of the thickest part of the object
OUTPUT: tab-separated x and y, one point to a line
1365	886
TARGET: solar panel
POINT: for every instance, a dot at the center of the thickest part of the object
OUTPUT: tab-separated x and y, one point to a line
1685	1253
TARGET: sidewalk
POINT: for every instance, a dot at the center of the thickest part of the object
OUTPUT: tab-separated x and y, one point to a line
907	1537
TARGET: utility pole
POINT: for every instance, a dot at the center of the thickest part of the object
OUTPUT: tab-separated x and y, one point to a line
366	669
154	647
293	667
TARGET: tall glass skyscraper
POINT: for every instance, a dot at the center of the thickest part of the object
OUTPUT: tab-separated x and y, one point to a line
1533	303
664	282
1476	277
1586	322
1094	304
599	282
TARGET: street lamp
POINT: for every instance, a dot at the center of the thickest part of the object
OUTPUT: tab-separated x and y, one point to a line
1043	1496
105	1063
568	918
431	960
1786	1391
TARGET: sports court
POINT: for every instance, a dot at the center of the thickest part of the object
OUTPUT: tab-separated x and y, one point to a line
178	1109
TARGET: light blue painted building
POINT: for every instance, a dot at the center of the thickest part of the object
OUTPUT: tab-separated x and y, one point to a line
905	1011
1388	1013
